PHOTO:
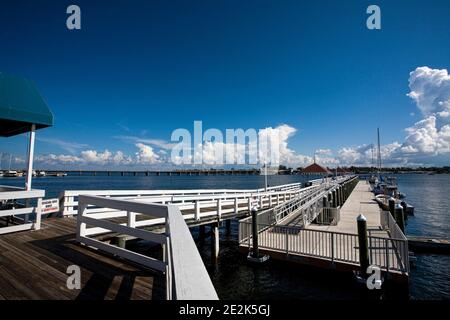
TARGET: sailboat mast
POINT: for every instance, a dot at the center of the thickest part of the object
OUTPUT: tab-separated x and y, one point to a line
379	151
371	149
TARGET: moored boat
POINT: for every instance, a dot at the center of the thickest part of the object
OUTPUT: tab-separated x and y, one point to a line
12	174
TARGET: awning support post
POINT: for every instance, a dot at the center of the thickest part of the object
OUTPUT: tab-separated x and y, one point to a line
30	157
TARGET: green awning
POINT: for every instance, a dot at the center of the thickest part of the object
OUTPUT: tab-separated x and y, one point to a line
21	105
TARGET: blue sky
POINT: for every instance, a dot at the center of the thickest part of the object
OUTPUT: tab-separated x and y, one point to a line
142	69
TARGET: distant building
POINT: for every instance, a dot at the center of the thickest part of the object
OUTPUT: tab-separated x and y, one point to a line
316	169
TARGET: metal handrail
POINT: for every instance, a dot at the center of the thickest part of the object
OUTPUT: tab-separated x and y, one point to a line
388	253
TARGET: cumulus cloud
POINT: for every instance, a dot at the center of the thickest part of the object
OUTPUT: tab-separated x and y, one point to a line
273	145
53	159
430	89
146	155
366	155
95	157
349	155
424	137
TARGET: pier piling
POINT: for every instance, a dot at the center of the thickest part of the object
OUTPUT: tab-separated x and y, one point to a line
325	201
363	243
405	212
201	233
399	217
254	256
228	226
333	197
255	233
215	242
391	203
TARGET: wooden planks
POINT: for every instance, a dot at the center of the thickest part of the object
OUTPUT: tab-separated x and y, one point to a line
33	265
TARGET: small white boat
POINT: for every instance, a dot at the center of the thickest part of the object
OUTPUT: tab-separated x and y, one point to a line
40	174
12	174
268	171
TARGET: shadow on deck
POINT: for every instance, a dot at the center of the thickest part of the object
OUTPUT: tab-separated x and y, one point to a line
33	265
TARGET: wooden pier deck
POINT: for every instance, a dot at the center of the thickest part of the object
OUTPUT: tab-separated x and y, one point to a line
33	265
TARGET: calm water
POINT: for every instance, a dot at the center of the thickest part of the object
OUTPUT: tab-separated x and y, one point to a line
234	278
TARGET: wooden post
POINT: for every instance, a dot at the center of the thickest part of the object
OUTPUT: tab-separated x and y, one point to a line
37	224
228	226
405	213
338	197
201	232
215	242
197	211
30	157
333	196
219	209
391	202
325	202
363	243
121	242
255	253
131	219
399	218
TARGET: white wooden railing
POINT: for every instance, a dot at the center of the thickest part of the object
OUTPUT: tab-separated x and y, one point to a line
16	207
69	198
196	208
186	275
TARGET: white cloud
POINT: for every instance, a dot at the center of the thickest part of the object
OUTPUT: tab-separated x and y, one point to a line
276	140
162	144
350	155
95	157
324	152
430	89
52	159
146	155
71	147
